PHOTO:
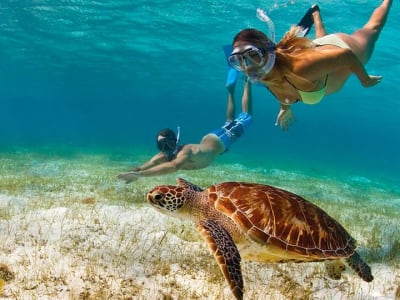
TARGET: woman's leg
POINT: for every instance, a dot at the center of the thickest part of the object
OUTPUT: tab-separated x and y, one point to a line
230	108
378	18
319	26
362	42
247	103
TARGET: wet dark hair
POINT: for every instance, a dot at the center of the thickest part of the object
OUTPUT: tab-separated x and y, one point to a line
252	36
167	142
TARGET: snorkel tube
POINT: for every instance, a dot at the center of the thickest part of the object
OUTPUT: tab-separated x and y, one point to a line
262	16
178	137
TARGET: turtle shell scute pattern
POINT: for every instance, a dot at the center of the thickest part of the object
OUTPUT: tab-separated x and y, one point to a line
270	215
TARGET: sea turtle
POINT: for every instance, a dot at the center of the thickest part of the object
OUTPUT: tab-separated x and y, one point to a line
261	223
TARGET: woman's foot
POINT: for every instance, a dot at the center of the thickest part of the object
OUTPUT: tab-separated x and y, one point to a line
307	21
319	26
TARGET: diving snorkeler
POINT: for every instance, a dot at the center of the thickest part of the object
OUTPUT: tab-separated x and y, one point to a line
298	69
305	25
173	156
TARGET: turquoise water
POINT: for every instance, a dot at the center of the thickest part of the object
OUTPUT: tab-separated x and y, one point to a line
85	86
91	74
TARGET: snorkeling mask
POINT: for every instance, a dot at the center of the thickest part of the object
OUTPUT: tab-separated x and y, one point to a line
169	145
249	57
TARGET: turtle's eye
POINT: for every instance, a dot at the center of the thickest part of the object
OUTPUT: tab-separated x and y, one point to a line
158	197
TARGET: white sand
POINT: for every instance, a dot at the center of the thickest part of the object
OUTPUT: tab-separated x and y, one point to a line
100	251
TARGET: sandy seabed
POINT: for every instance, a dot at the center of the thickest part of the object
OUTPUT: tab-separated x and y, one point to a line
114	252
64	236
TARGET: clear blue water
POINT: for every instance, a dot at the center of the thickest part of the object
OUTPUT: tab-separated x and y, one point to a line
86	85
109	74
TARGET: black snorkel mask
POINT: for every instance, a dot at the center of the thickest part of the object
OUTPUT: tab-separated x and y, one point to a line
169	146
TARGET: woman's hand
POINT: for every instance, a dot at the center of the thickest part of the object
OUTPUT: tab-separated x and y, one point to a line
285	118
372	80
129	177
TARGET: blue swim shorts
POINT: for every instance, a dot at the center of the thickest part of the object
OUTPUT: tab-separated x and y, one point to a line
230	132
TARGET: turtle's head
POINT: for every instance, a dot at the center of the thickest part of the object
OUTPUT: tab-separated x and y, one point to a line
168	199
175	200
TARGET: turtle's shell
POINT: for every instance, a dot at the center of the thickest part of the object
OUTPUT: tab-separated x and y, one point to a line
281	220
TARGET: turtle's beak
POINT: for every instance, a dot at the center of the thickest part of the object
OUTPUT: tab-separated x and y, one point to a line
150	199
156	198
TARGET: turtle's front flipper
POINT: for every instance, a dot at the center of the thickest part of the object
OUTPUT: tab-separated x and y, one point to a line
361	268
225	252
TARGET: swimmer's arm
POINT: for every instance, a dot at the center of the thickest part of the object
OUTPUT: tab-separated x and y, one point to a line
359	70
133	174
284	107
332	60
164	168
356	66
157	159
285	117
